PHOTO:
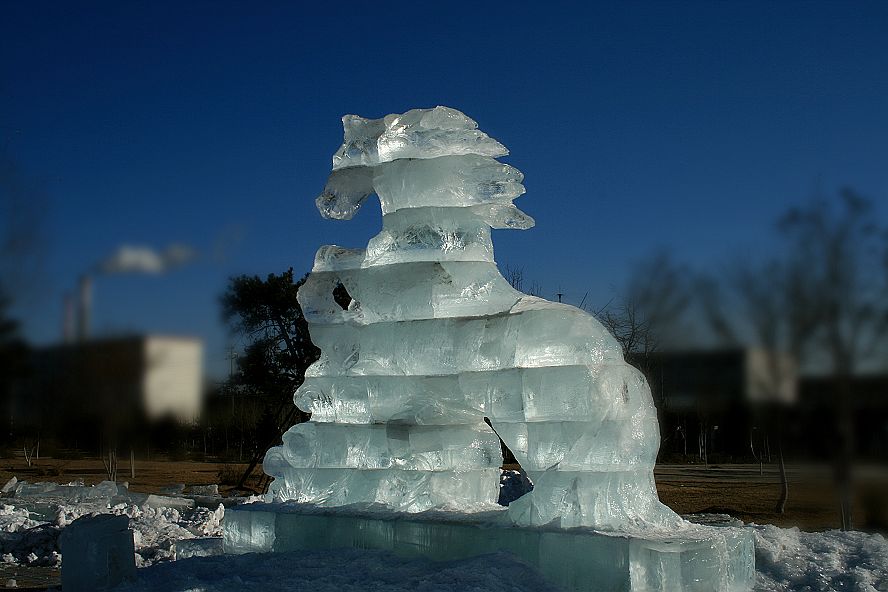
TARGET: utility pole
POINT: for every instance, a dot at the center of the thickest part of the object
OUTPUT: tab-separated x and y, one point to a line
231	357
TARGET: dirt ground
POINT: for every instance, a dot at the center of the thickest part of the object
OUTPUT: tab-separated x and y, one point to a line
739	490
146	477
750	495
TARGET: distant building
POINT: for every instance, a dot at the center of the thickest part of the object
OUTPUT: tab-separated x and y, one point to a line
131	381
709	401
818	410
724	403
720	378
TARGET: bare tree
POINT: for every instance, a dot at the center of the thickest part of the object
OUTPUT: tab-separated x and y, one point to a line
657	296
841	246
820	301
32	454
110	464
649	315
763	304
661	288
631	327
515	277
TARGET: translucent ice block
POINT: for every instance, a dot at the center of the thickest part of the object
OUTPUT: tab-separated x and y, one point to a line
450	181
407	291
689	559
433	340
402	490
430	234
528	338
418	133
548	393
391	446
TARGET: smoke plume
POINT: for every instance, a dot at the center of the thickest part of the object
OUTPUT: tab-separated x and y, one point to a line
140	259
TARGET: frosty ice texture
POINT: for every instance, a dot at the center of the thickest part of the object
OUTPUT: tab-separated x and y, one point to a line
694	559
435	340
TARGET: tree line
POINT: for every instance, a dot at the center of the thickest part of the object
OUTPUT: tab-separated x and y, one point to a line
821	297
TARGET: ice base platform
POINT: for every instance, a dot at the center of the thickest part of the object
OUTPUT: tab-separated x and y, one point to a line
693	559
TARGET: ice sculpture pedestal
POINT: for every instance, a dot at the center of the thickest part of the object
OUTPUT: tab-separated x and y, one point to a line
698	558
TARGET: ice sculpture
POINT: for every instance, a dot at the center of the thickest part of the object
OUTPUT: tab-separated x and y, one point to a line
435	340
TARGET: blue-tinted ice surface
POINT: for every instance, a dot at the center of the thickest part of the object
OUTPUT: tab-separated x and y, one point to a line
435	340
398	456
692	559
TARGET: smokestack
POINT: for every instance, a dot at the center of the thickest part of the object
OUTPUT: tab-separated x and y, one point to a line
68	319
84	308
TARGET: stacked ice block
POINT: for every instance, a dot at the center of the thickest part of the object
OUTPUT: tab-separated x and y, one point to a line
694	559
434	340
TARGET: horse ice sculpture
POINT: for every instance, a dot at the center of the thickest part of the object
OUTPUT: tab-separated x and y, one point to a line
435	340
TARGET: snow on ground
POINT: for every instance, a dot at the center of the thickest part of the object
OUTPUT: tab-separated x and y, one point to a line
30	527
786	559
346	570
155	531
789	559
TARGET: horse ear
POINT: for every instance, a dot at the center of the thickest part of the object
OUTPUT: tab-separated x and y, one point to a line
345	192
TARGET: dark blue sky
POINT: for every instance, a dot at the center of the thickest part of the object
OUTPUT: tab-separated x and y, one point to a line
639	126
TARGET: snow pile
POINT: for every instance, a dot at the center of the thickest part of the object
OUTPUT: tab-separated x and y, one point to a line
30	524
156	530
345	570
789	559
27	541
786	560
